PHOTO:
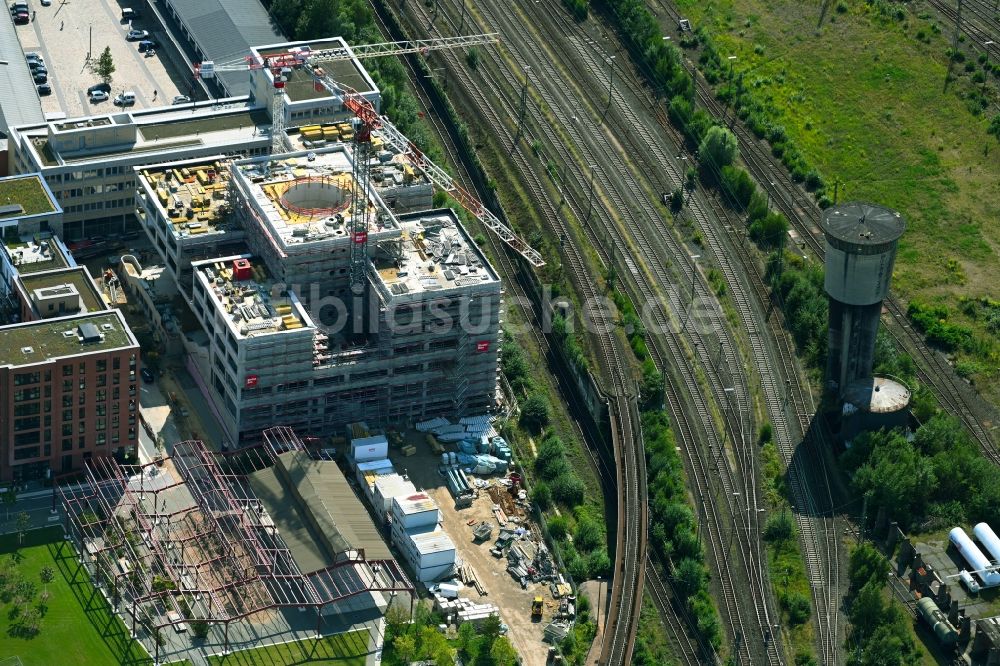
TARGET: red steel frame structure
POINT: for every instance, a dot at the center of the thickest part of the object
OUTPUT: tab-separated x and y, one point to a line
225	558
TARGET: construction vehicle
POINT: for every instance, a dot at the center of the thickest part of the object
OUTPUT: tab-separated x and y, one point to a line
536	608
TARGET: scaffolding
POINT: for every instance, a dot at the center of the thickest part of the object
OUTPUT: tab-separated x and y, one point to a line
186	540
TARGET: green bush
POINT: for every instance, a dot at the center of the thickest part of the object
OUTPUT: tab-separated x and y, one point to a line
568	489
780	527
534	413
578	9
797	606
541	495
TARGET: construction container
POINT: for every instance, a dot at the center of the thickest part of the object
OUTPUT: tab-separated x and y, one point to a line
445	459
388	486
369	448
415	510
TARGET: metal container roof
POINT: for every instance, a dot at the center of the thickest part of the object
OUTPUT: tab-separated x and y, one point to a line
427	543
415	504
862	223
877	395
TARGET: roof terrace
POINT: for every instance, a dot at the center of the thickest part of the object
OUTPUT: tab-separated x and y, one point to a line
31	256
78	278
250	302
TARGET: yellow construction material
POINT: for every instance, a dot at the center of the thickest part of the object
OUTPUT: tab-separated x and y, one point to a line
310	128
162	195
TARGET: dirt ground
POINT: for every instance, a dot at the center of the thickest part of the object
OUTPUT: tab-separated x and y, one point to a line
502	590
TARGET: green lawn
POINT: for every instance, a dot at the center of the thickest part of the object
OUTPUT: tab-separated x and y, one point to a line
866	101
27	191
348	649
78	626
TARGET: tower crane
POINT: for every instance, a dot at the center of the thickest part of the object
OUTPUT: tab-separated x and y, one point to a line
368	120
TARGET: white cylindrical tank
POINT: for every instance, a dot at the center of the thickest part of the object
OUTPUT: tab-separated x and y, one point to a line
980	564
989	539
860	251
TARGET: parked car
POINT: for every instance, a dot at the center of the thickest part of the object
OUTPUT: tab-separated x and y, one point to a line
41	77
146	45
41	71
136	35
44	89
46	3
98	96
19	8
35	65
127	98
129	14
181	99
147	375
22	18
32	56
103	87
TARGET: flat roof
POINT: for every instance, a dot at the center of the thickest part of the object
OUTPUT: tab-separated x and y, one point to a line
427	543
416	503
437	254
247	303
31	256
49	339
28	192
226	125
301	85
307	197
861	223
19	102
878	395
227	29
325	519
191	195
79	277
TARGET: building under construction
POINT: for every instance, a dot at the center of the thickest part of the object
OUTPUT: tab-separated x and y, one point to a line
205	553
285	336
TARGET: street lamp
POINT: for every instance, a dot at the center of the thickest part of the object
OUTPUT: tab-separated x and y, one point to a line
611	85
731	59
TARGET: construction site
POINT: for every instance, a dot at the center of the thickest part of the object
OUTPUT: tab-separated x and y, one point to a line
204	553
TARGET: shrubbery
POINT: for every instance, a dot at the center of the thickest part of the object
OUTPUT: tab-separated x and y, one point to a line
932	321
673	526
937	479
799	286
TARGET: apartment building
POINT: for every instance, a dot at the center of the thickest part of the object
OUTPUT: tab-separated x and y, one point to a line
68	392
28	207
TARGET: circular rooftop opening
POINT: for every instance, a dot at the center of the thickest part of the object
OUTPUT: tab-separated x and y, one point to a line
317	197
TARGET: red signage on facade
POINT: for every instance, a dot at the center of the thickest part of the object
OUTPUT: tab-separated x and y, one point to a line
483	346
360	237
251	381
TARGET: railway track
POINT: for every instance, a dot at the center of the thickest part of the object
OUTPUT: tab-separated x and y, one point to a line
751	530
978	22
630	555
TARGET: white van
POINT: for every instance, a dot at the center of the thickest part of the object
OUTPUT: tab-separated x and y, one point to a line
127	98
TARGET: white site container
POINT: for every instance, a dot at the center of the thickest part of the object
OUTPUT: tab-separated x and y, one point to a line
369	448
417	510
389	486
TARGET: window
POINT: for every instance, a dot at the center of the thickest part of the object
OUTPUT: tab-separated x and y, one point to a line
83	368
67	444
102	365
115	394
30	409
27	394
116	379
23	454
82	413
116	363
67	400
67	385
102	395
67	415
67	370
81	442
27	423
22	378
102	380
83	399
102	439
67	429
102	409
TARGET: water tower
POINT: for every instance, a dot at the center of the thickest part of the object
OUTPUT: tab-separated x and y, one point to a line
860	251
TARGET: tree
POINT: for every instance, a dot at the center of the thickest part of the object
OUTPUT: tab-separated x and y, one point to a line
779	527
46	575
535	413
104	67
502	652
466	638
717	149
995	126
690	575
406	646
568	489
587	535
489	628
472	58
867	566
541	495
199	629
318	17
23	523
797	606
9	500
549	451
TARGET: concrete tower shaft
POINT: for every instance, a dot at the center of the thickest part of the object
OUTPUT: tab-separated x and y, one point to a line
861	243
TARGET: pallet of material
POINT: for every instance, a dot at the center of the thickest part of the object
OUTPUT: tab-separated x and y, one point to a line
500	516
408	450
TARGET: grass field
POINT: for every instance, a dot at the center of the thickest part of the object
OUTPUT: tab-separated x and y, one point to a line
78	626
866	101
348	649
